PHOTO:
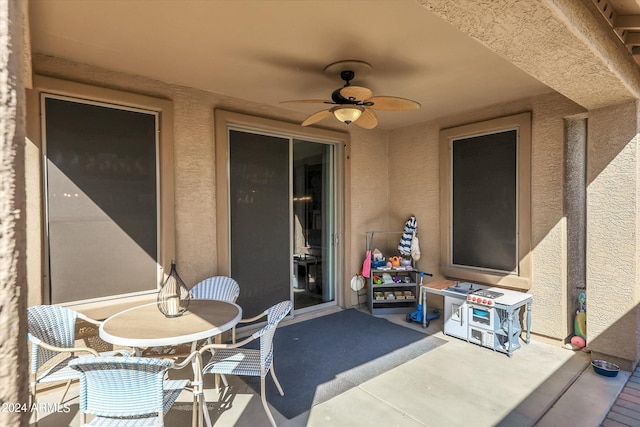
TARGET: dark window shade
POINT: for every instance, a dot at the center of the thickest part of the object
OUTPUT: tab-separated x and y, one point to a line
101	200
260	212
484	223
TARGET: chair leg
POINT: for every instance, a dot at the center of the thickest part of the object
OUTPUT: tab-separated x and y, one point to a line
264	402
64	393
275	380
205	411
195	412
200	411
33	402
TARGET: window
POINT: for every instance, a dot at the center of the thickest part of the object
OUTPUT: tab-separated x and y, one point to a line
485	206
108	221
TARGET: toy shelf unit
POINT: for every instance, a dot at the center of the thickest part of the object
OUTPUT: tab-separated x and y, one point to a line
396	290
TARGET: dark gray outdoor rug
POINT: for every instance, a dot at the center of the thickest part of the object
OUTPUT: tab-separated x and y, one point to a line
321	358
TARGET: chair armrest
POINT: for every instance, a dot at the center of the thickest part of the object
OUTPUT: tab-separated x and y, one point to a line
235	345
64	350
253	319
89	320
194	357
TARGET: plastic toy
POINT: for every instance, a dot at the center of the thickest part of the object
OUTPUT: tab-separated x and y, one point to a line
580	323
417	316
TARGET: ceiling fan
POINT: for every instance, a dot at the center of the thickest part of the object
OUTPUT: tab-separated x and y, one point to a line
355	104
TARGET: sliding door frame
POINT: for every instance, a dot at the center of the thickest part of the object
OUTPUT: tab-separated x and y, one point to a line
226	120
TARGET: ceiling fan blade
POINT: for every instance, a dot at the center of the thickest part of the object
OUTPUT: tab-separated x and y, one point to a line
309	101
356	93
392	103
368	119
316	117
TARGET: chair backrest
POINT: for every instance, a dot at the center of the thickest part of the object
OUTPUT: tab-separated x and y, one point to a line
121	386
274	315
221	288
53	325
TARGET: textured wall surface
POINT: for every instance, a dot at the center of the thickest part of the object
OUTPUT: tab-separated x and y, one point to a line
548	225
563	43
369	164
612	231
414	167
194	162
415	189
575	209
195	185
395	174
13	325
568	46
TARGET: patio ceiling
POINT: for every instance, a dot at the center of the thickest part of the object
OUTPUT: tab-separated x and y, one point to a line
275	50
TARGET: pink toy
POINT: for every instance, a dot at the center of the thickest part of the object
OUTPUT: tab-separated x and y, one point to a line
578	341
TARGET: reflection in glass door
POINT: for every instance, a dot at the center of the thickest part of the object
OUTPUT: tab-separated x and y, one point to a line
313	223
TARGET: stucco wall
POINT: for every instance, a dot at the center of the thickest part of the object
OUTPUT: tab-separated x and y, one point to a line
414	167
612	231
369	164
194	159
194	162
14	373
415	183
395	174
195	184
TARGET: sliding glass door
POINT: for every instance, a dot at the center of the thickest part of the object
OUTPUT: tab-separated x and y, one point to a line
313	223
282	220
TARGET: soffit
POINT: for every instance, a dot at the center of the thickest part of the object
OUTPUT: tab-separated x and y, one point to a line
563	43
275	50
452	57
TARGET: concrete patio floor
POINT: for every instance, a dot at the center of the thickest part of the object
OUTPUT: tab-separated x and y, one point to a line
455	384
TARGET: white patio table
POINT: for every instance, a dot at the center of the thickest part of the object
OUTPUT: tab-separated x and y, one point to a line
145	326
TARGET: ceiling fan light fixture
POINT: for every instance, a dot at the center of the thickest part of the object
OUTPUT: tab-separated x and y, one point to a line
348	114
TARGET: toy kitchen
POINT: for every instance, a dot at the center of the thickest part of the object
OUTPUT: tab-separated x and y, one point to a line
483	315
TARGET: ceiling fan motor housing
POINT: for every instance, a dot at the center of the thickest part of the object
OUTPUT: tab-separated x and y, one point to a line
347	76
337	98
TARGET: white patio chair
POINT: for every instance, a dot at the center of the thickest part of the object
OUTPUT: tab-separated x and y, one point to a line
131	391
221	288
52	333
231	359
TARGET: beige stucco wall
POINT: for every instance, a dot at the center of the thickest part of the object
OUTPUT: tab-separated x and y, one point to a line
414	181
195	184
195	167
418	178
393	174
369	164
14	372
568	46
612	231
